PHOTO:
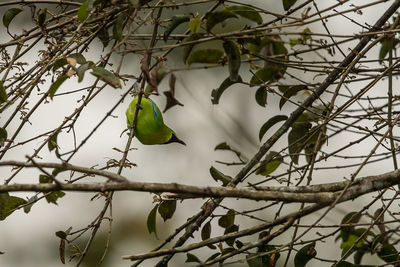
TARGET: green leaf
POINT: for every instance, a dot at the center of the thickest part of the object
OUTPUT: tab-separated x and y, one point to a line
216	17
227	220
270	163
213	256
304	255
8	204
31	201
52	143
44	179
3	136
231	229
246	12
287	4
61	234
53	196
188	48
388	253
261	96
54	87
271	122
267	74
384	49
350	243
104	36
219	176
352	217
10	15
296	140
293	90
216	93
78	57
151	221
222	146
106	76
80	71
83	12
192	258
194	25
294	42
167	209
56	171
233	54
3	93
175	22
206	233
60	62
358	257
345	264
206	56
118	28
42	17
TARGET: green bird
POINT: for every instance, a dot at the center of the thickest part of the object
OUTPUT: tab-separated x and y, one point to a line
150	127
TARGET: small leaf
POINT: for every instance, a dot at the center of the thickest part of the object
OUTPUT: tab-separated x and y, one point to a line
388	253
188	48
261	96
293	90
52	143
31	201
170	94
61	234
222	146
106	76
219	176
42	17
233	53
54	87
253	260
194	25
384	49
227	220
83	11
352	217
267	74
206	233
60	62
104	36
10	15
296	140
3	136
192	258
54	196
304	255
78	57
80	71
118	28
151	221
270	163
167	209
213	256
175	22
216	17
3	93
287	4
216	93
271	122
8	204
246	12
206	56
44	179
231	229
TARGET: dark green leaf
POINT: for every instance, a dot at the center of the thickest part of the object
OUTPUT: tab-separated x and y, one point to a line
8	204
261	96
118	28
206	56
246	12
194	25
44	179
42	17
388	253
227	220
233	53
271	122
175	22
287	4
56	171
255	261
3	136
60	62
188	48
192	258
106	76
345	264
151	221
357	257
296	140
231	229
267	74
270	163
10	15
219	176
80	71
167	209
216	17
206	231
52	143
83	12
213	256
216	93
3	93
384	50
228	250
78	57
31	201
54	87
293	90
352	217
53	196
239	244
104	36
61	234
304	255
222	146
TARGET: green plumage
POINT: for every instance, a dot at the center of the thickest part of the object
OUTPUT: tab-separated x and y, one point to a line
150	127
